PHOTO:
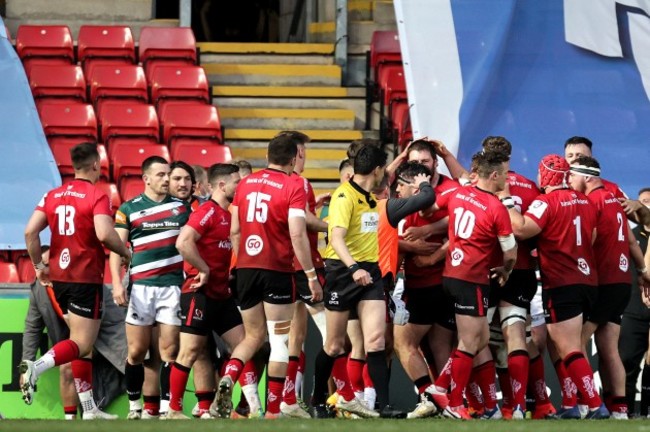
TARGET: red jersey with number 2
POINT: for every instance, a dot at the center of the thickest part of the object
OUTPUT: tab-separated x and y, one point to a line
567	220
476	221
264	200
76	254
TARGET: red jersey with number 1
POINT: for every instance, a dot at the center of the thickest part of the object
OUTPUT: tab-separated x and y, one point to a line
476	221
523	192
76	254
567	220
312	235
264	200
611	248
213	225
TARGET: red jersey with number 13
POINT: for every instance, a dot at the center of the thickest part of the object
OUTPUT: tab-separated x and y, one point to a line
76	254
264	200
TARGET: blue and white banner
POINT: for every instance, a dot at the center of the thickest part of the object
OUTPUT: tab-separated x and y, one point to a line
536	72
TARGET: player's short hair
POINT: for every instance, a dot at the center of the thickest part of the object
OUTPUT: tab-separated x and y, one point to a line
368	158
644	190
199	172
219	171
488	162
587	161
422	145
299	137
185	166
148	162
497	143
578	140
84	155
282	148
245	168
356	145
345	163
408	170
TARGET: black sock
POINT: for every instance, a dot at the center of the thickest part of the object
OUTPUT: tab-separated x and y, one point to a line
378	371
165	373
134	375
645	390
323	370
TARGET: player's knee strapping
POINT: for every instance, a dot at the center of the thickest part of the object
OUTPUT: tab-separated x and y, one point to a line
511	315
279	340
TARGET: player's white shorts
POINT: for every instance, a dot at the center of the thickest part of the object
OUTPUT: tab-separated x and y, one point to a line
148	304
537	309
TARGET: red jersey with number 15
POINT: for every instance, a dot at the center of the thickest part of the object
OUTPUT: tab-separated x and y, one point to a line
611	248
264	200
76	254
213	225
523	192
476	221
567	220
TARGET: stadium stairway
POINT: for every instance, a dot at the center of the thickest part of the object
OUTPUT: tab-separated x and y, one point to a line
263	88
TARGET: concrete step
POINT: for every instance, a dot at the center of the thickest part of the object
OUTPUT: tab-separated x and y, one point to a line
316	135
273	74
360	10
359	32
288	92
272	53
322	32
384	12
136	26
74	10
293	119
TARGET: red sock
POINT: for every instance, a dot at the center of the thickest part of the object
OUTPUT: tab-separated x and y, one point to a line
301	362
422	383
177	384
355	373
474	396
248	374
204	398
536	381
444	379
274	397
289	391
461	369
506	390
340	377
82	371
70	410
486	379
367	381
151	404
618	404
567	386
583	376
64	352
518	369
233	369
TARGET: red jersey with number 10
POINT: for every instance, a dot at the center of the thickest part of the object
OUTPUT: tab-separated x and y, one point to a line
76	254
213	224
264	200
476	221
611	248
567	220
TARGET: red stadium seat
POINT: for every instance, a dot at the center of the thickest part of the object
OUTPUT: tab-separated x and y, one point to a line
117	82
128	161
197	120
179	83
44	43
5	255
200	152
110	189
105	44
58	82
129	120
131	187
166	45
384	48
9	273
61	152
71	119
118	143
25	267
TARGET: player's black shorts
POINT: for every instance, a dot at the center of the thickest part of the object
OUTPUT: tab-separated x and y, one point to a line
201	314
260	285
428	306
302	286
611	303
468	298
342	293
566	302
518	291
83	299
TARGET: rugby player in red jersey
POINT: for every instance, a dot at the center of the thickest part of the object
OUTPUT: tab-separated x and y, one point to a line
80	219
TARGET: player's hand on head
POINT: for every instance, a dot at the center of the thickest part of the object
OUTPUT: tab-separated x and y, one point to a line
421	178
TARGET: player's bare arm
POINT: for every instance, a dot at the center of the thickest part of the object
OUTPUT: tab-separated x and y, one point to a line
509	248
235	230
106	234
313	223
186	245
114	263
300	242
439	227
36	224
636	211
